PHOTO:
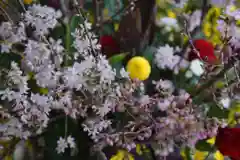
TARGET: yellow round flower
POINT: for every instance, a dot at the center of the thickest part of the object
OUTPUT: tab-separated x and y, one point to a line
27	1
138	68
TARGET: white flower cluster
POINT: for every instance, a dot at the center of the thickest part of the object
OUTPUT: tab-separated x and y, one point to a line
63	144
89	83
42	18
10	35
165	59
232	11
229	29
177	121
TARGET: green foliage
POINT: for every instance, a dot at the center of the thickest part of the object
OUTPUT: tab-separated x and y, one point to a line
217	111
58	32
117	58
172	38
117	61
192	5
70	28
7	58
57	129
202	145
107	29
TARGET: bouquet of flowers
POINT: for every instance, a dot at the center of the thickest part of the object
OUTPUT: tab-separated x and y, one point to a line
119	80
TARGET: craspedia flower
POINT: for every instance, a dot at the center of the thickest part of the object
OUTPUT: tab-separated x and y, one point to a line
27	1
138	68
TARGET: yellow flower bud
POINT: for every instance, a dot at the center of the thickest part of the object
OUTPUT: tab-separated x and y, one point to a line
138	68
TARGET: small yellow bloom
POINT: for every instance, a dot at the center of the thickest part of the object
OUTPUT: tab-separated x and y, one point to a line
122	155
218	155
27	1
233	8
219	84
210	25
182	153
106	13
139	149
171	14
211	140
116	26
199	155
231	116
207	29
138	68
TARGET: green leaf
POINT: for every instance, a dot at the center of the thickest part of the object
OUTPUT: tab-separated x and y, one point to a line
7	58
117	58
75	21
58	32
202	145
216	111
108	29
188	153
56	129
148	53
117	62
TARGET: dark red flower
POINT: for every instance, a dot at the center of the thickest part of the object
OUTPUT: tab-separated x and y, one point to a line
109	45
54	4
228	142
205	49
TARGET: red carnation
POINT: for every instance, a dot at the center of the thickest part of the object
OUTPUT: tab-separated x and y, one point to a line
205	49
228	142
109	45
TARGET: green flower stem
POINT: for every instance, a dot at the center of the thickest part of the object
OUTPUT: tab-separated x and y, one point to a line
67	42
68	37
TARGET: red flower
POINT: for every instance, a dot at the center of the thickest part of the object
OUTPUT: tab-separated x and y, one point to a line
54	4
205	49
228	142
109	45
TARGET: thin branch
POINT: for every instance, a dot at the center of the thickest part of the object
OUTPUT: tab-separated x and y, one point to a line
80	12
211	81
